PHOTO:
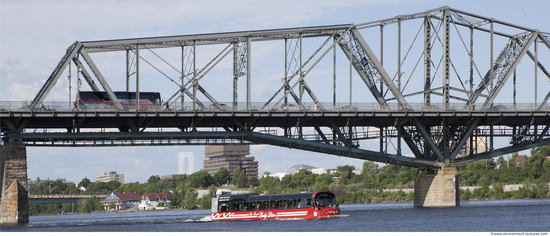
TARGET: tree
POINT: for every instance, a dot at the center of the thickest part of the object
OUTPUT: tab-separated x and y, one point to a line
84	183
270	185
345	172
322	182
222	176
369	168
206	200
286	181
501	163
111	205
190	200
253	181
113	184
90	204
200	179
153	179
239	177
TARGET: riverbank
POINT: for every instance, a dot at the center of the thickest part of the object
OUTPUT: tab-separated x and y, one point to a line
505	188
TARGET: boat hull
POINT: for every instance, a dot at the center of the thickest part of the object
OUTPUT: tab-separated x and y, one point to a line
276	214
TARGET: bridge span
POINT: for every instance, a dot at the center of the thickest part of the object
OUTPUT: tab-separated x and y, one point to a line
393	102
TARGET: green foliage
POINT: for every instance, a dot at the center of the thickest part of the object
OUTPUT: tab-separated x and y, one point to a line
111	206
222	177
239	178
206	201
84	183
90	205
367	187
190	200
369	168
200	179
153	179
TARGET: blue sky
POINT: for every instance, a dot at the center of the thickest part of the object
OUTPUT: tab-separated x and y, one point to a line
35	34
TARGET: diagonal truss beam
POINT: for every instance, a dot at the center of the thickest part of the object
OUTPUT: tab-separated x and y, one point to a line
428	139
71	52
509	67
101	79
464	138
503	67
374	64
85	73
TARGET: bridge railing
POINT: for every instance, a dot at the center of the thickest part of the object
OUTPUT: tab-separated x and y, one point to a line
49	106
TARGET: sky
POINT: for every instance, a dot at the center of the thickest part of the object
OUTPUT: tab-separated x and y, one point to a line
35	34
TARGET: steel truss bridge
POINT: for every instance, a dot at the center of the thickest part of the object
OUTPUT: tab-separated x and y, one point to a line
475	91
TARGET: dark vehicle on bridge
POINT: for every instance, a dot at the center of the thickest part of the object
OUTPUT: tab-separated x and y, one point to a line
251	206
100	100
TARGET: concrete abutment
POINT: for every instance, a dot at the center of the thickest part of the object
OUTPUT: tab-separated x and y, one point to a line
437	188
13	176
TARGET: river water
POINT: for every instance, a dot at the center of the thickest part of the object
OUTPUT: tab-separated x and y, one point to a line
472	216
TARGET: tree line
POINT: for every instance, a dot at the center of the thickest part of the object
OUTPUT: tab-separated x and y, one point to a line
350	188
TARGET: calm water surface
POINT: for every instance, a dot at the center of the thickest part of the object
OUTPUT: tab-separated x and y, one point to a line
477	216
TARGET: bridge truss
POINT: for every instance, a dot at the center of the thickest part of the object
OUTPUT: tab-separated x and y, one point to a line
398	106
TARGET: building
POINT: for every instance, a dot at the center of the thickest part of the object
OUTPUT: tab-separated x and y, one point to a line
172	179
122	200
186	163
295	168
519	160
109	176
321	171
230	157
152	200
278	175
474	145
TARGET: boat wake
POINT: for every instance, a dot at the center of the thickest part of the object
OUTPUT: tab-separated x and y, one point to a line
204	219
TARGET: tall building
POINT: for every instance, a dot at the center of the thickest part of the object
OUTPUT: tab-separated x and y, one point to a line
230	157
186	161
109	176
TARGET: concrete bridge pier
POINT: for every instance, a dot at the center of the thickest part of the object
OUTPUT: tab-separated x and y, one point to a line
13	176
437	188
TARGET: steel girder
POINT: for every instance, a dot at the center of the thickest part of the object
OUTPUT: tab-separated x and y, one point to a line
216	38
503	67
369	67
73	51
172	138
54	77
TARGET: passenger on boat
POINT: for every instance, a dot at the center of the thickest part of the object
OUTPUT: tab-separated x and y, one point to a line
299	204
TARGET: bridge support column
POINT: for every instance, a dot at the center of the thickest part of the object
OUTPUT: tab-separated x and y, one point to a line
437	188
13	175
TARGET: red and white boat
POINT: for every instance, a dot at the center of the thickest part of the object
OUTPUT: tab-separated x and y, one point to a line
227	206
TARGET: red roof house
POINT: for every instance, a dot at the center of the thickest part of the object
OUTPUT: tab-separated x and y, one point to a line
151	200
519	160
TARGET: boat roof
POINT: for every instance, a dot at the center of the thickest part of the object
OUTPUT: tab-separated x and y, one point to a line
252	197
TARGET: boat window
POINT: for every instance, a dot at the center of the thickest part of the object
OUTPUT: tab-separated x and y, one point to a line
326	200
309	202
262	205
